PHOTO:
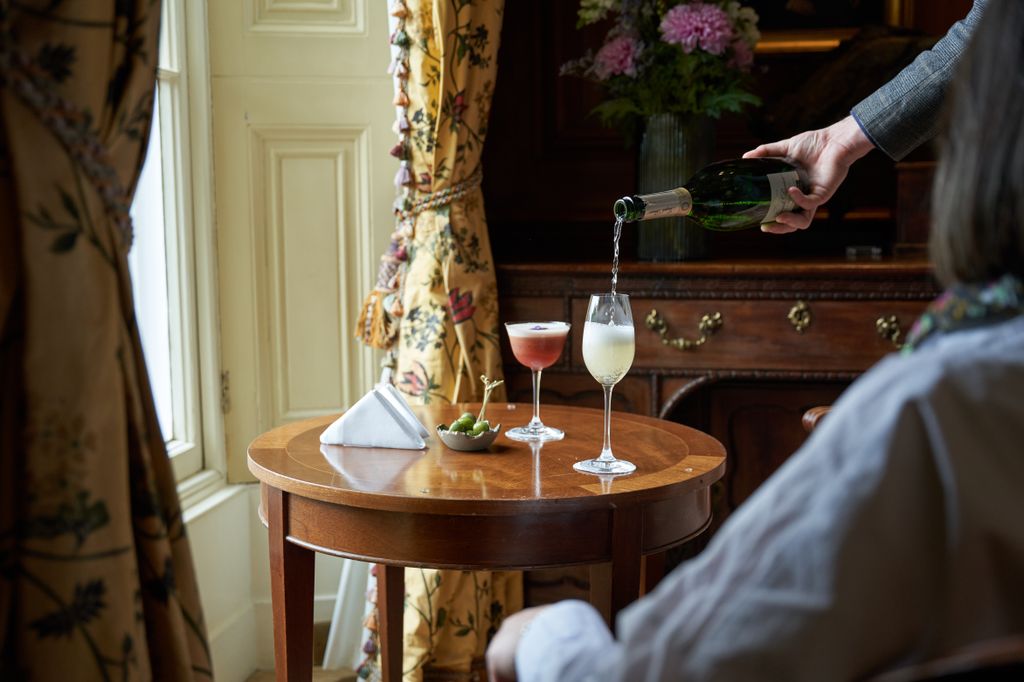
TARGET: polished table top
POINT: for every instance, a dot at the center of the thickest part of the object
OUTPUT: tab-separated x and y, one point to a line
510	477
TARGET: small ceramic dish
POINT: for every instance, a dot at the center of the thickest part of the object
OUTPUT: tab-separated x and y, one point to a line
466	443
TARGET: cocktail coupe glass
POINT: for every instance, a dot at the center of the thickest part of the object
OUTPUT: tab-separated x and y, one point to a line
536	345
608	347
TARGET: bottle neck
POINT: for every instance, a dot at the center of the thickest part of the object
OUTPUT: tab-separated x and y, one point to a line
671	204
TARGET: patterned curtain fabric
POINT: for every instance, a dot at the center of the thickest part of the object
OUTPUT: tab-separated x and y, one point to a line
448	335
96	578
436	306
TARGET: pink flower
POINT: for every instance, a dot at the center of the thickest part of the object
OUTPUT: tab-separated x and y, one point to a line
697	25
617	56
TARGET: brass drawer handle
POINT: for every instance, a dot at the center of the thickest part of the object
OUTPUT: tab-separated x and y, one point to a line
708	325
889	328
800	316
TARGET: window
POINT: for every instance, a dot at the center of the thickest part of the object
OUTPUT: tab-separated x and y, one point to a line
172	290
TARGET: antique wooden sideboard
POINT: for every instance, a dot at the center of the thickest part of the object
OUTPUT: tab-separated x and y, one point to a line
764	341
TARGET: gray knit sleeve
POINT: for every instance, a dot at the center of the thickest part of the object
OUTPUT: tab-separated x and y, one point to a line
904	113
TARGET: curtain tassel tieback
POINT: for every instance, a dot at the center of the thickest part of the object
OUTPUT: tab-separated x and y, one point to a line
404	175
372	327
398	67
398	9
377	326
400	38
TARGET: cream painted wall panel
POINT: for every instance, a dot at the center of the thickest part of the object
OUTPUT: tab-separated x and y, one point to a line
219	535
315	233
271	37
345	121
309	362
306	16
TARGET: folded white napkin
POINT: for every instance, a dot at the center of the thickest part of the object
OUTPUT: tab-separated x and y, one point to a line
380	419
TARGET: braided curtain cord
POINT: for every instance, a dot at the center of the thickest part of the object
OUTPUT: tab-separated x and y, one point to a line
434	200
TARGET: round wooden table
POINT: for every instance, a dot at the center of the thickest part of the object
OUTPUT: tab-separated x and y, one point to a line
511	507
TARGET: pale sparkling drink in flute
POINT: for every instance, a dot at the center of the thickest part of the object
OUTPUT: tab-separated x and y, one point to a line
608	351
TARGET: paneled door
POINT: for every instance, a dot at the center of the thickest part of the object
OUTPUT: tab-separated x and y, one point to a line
302	119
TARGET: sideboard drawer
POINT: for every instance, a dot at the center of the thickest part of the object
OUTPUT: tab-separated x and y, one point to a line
838	335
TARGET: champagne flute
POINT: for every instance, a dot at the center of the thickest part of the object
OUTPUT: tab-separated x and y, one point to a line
536	345
608	347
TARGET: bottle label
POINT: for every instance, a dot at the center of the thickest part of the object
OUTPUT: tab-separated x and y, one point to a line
781	202
671	204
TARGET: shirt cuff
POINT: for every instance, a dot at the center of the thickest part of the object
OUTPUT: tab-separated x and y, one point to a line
565	641
860	124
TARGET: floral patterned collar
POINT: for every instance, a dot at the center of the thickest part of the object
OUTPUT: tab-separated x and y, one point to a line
963	306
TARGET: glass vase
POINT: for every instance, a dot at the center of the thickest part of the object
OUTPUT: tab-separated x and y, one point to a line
673	148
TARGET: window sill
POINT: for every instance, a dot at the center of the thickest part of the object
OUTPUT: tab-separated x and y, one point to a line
204	491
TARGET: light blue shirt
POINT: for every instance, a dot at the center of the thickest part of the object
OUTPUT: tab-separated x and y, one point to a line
895	534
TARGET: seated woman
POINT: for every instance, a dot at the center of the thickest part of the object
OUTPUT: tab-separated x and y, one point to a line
894	535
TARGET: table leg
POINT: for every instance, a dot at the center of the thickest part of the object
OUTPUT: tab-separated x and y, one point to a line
390	600
627	542
653	571
291	595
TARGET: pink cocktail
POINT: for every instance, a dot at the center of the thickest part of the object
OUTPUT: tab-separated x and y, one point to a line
536	345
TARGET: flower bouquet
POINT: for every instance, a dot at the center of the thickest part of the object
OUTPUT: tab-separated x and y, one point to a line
665	57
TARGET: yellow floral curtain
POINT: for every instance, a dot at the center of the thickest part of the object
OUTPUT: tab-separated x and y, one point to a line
96	577
435	306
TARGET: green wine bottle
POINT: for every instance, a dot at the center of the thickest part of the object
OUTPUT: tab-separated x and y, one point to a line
724	196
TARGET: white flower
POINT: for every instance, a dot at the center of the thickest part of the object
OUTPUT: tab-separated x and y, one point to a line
594	10
745	20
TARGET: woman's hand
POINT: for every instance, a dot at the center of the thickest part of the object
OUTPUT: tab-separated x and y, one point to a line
826	155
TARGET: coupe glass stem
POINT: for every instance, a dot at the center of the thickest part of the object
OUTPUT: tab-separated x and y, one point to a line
606	449
535	423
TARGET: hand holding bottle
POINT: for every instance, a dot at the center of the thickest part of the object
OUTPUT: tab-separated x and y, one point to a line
826	154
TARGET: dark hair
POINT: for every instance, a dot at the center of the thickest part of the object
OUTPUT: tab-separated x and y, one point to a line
978	197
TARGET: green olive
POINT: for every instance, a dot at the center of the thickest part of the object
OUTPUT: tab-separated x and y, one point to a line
467	422
458	426
478	429
468	415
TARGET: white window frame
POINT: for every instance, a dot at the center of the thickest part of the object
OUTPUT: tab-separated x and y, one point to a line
196	445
